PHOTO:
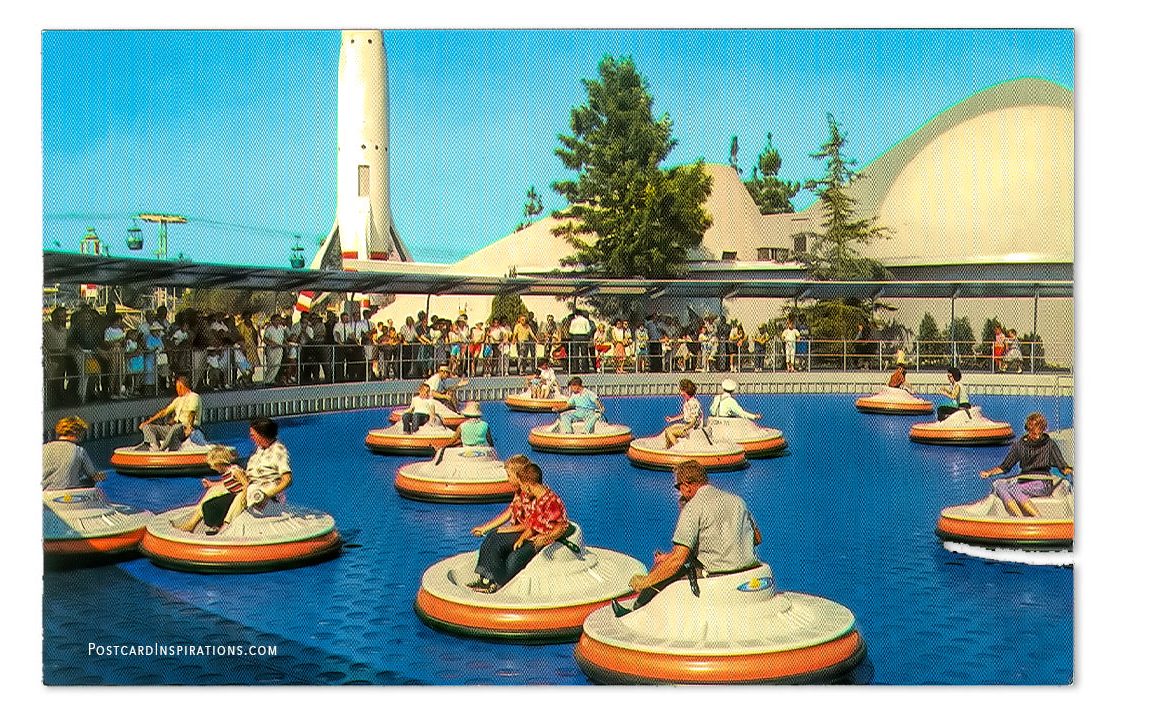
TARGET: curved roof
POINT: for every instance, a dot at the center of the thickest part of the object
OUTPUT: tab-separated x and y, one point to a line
991	176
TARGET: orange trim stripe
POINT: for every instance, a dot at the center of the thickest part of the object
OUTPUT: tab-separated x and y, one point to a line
724	668
159	460
405	442
510	620
85	546
580	442
961	433
1022	530
538	404
907	407
671	460
449	422
238	555
755	446
452	489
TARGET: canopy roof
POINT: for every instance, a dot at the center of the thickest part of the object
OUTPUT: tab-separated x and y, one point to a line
977	279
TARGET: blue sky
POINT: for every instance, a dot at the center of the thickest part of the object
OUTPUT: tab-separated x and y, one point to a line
236	129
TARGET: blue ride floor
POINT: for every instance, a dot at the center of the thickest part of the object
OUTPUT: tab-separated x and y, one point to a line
847	514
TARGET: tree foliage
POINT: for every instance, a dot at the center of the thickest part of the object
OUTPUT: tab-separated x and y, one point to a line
628	217
532	209
834	253
507	307
962	337
771	194
836	319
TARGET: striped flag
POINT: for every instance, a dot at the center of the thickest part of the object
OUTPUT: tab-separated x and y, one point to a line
304	300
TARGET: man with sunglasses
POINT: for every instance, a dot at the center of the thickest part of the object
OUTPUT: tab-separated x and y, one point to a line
715	535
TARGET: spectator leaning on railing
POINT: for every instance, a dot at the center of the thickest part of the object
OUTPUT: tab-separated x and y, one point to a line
55	351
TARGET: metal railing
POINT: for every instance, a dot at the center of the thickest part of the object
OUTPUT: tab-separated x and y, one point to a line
108	375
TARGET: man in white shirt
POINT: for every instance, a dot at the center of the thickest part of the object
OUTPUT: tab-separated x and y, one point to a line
724	405
498	336
364	330
275	339
185	410
348	355
790	335
580	333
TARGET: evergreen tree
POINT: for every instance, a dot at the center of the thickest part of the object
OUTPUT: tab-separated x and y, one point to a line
962	338
932	351
628	217
771	194
507	306
532	209
734	154
833	254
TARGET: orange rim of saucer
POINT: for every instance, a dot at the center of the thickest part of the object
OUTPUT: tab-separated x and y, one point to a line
405	444
239	556
532	404
579	442
719	461
505	621
841	653
424	488
1024	531
448	422
108	544
991	434
913	408
160	461
763	448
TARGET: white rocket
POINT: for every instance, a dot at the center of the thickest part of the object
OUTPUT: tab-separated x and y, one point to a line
363	228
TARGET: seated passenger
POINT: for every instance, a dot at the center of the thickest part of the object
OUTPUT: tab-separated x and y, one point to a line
222	493
268	472
957	396
691	416
534	520
715	534
535	385
185	411
421	410
1037	453
473	432
438	386
897	379
582	404
66	464
724	405
551	386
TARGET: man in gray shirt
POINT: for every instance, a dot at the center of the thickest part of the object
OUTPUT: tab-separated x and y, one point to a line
66	464
715	531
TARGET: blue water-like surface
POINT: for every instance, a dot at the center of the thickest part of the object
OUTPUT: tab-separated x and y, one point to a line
848	514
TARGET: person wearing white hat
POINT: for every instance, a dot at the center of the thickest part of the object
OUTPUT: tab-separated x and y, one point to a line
724	405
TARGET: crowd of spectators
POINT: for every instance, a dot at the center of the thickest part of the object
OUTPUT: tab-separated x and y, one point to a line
91	354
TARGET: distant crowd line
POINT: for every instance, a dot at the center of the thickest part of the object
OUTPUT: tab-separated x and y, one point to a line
92	355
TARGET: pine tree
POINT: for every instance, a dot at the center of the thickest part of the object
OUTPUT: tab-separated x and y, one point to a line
833	254
628	217
771	194
532	209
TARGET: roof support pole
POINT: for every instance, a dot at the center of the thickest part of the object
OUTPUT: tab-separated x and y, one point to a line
952	331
